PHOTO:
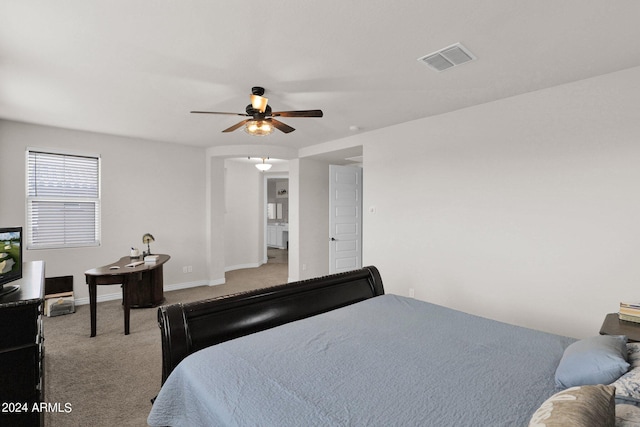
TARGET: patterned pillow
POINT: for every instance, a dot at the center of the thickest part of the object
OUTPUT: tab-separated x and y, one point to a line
586	406
633	354
627	415
628	385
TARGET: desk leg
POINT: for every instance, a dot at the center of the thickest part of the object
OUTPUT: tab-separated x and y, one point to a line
92	307
127	304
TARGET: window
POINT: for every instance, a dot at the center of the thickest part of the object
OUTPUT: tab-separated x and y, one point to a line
63	200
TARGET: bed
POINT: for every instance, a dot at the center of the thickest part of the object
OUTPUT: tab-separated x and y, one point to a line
337	351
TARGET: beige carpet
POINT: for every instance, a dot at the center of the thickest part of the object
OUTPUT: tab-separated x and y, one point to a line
109	379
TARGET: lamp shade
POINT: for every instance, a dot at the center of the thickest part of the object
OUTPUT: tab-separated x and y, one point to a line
258	127
259	102
263	166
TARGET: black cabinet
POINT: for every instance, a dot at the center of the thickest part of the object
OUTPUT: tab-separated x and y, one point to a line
22	350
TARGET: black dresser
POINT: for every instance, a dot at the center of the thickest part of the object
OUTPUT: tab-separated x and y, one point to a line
22	350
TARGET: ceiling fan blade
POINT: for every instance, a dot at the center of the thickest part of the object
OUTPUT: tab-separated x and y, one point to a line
236	126
300	113
281	126
218	112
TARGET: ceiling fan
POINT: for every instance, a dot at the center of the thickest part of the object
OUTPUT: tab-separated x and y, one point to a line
262	120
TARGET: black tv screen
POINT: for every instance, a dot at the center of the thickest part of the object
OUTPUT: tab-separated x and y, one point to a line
10	254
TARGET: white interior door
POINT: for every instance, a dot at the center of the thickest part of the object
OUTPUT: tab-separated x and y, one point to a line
345	218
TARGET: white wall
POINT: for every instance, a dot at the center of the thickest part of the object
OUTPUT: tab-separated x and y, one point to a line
309	192
215	213
524	210
244	215
146	187
294	220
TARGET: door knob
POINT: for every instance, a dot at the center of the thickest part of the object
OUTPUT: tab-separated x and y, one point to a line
333	239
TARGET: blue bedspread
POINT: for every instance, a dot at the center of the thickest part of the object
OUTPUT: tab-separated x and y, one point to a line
385	361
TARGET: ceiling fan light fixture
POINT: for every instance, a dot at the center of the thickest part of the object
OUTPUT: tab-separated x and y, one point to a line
262	119
263	166
258	128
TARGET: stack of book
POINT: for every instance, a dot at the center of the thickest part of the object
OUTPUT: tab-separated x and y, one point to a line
57	304
151	259
629	312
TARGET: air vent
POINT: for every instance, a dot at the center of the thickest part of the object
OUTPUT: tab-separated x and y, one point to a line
448	57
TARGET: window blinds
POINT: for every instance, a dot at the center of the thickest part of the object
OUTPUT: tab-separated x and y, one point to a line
63	200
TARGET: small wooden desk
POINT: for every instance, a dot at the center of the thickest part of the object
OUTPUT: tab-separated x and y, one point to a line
141	285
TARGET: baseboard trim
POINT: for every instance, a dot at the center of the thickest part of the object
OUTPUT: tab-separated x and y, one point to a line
217	282
241	266
186	285
99	298
168	288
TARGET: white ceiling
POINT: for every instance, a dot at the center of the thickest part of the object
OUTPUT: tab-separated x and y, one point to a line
136	68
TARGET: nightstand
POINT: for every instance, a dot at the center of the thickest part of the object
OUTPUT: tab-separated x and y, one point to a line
612	325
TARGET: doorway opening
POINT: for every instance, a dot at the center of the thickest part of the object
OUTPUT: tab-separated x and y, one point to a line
276	218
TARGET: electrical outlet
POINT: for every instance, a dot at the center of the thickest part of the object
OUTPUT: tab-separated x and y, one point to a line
185	269
190	269
411	293
304	267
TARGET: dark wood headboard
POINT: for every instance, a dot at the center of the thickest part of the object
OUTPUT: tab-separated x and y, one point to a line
190	327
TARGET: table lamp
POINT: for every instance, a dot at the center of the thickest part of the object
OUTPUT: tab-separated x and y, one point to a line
147	238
